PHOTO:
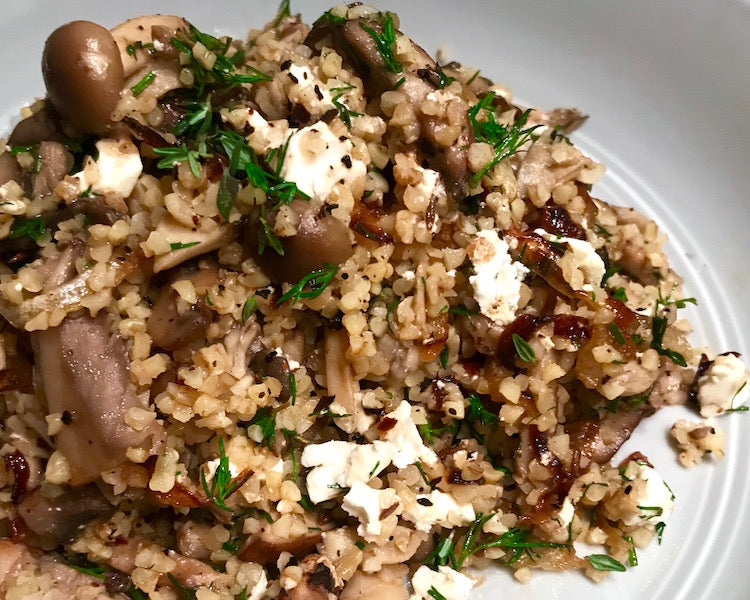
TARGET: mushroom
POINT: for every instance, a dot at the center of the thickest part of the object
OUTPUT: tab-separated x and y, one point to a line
58	520
172	328
267	546
42	126
10	170
83	74
84	372
55	162
319	581
320	239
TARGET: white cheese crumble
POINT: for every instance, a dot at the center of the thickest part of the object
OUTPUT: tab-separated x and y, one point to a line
655	503
566	513
720	384
438	508
337	465
115	171
260	588
308	90
581	266
367	504
497	279
404	437
451	584
316	160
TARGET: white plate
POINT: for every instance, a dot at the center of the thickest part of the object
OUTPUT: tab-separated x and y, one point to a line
667	86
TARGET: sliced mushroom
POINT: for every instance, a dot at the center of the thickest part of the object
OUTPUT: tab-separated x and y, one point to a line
204	241
266	546
414	82
319	581
565	120
140	39
320	239
83	73
10	170
84	372
42	126
55	162
58	520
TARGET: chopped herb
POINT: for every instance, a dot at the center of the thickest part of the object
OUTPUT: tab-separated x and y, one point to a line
183	592
360	544
327	412
227	194
384	42
267	237
178	154
80	563
422	473
632	556
440	555
317	281
444	309
616	333
265	418
141	86
515	539
283	11
599	230
345	113
658	329
435	594
135	594
181	245
742	408
604	562
139	45
444	355
329	16
657	510
478	413
399	83
249	308
293	388
637	339
462	311
619	294
375	468
505	141
612	268
196	121
33	228
306	503
443	80
659	527
524	350
472	78
222	485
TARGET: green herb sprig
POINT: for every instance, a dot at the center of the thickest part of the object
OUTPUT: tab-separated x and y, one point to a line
384	42
604	562
504	140
222	484
315	282
525	351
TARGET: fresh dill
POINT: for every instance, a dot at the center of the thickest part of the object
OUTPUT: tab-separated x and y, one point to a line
524	350
222	484
385	42
311	285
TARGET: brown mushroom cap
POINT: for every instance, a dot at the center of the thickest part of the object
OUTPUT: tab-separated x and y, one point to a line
320	239
83	73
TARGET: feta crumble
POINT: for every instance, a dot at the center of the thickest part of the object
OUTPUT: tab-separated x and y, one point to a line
437	508
367	504
115	171
720	384
316	160
581	266
655	503
451	584
406	442
497	279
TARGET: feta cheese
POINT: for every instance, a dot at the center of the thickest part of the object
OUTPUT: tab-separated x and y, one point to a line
720	384
655	503
437	508
581	266
262	135
407	444
367	504
115	171
566	513
451	584
338	465
316	160
260	587
497	279
308	90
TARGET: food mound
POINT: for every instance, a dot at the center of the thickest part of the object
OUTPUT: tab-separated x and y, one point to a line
316	316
